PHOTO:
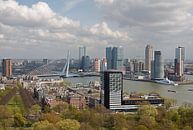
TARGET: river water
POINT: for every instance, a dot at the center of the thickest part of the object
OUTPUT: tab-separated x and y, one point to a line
181	96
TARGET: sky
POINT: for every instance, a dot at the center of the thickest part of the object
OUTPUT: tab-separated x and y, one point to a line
48	28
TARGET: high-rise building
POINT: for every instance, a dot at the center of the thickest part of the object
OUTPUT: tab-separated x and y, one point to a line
148	57
7	68
82	52
45	61
97	65
179	61
109	57
104	64
111	89
158	67
114	58
85	65
117	56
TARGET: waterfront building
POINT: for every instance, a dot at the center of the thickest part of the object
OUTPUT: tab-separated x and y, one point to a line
114	56
82	52
109	57
158	67
85	65
179	61
112	96
111	89
117	56
104	64
97	65
148	57
45	61
7	68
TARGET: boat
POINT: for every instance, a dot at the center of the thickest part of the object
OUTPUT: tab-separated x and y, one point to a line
165	81
172	91
190	89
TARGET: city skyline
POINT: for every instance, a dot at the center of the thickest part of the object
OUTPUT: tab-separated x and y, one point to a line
47	29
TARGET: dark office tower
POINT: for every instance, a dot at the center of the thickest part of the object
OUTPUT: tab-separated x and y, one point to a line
111	89
45	61
82	52
114	58
109	57
148	57
158	66
117	58
179	61
85	63
7	68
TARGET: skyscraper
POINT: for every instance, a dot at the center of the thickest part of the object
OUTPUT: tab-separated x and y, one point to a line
109	57
158	67
179	61
148	57
97	65
85	66
82	52
111	89
114	58
117	57
104	64
7	68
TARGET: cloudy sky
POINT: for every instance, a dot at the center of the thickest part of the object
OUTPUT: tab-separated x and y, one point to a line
48	28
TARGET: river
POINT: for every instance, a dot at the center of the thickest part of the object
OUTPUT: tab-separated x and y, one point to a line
181	96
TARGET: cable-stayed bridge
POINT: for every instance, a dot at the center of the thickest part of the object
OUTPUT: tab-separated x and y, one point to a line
47	69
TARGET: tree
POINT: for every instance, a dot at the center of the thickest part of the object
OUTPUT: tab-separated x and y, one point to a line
19	120
169	103
86	126
35	109
141	127
187	128
147	110
43	125
50	117
60	108
173	115
68	124
5	117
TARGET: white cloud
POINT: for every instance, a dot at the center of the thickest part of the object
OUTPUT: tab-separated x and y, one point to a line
160	22
39	14
104	2
103	29
38	31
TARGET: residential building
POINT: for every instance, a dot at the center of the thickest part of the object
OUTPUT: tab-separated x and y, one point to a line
179	61
7	68
148	57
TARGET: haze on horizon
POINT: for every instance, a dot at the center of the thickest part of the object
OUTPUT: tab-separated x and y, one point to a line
47	28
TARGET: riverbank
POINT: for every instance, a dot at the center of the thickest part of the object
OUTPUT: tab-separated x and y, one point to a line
186	82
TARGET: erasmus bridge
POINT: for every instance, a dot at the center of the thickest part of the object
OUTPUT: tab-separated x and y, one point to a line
46	70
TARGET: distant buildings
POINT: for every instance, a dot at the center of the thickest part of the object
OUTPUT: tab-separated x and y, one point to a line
45	61
114	56
82	52
157	66
148	57
97	65
7	68
85	65
137	66
179	61
104	64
